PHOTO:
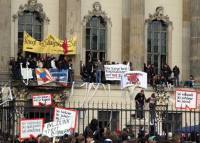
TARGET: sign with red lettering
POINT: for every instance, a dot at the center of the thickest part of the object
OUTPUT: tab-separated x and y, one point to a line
42	100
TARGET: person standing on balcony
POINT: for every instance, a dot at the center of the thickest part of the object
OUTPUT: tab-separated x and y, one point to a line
176	73
139	102
99	70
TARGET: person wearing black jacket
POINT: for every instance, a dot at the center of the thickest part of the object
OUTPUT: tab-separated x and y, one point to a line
139	101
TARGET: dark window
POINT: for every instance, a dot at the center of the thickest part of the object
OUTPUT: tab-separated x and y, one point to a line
32	23
157	44
95	39
108	119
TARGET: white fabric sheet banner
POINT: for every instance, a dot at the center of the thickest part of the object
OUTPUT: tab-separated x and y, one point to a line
130	78
114	72
57	128
186	99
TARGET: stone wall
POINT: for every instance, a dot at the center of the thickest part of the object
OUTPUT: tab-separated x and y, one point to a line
5	36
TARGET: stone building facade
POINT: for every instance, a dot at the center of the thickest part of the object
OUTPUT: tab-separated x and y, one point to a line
126	30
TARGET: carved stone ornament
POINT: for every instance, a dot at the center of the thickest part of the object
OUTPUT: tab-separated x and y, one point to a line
32	6
96	12
159	15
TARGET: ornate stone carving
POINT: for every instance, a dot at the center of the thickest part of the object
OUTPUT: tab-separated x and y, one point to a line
159	15
32	6
97	11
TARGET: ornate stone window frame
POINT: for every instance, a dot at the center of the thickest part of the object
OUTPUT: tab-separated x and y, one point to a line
97	11
31	6
159	15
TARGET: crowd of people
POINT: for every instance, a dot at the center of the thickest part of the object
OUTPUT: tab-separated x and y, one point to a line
94	134
167	75
33	62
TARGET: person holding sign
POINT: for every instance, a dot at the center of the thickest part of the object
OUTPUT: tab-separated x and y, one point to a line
139	102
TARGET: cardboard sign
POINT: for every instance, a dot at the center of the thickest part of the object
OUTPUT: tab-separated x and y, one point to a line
57	128
31	127
39	100
66	114
60	76
114	72
186	99
134	77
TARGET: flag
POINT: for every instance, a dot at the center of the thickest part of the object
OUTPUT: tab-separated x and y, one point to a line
43	76
65	47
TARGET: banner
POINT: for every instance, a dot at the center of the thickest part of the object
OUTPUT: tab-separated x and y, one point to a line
39	100
186	99
57	128
114	72
31	127
50	45
43	76
66	114
60	76
134	77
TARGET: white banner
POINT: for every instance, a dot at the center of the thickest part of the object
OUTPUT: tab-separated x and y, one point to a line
66	114
31	127
45	99
134	77
114	72
57	128
186	99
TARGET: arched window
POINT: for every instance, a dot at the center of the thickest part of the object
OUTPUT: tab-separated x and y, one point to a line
32	23
157	44
95	39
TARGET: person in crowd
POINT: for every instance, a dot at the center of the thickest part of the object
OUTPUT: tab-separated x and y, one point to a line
70	73
43	139
190	82
99	69
141	135
152	139
152	107
89	69
92	127
176	73
139	101
166	72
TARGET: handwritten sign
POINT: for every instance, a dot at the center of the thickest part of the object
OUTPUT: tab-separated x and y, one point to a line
57	128
66	114
186	99
39	100
31	127
114	72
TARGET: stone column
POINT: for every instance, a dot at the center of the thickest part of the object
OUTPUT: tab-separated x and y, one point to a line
136	51
73	28
5	36
186	39
125	29
195	39
62	18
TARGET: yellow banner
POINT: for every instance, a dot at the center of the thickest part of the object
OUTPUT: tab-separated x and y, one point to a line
50	45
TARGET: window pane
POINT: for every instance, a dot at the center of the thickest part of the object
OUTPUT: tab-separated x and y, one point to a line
21	28
37	36
21	19
94	39
87	42
149	59
87	32
20	34
149	45
102	39
94	21
37	29
28	19
28	27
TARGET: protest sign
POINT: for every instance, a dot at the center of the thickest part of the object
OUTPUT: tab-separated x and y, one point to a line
186	99
66	114
31	127
114	72
45	99
57	128
134	78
